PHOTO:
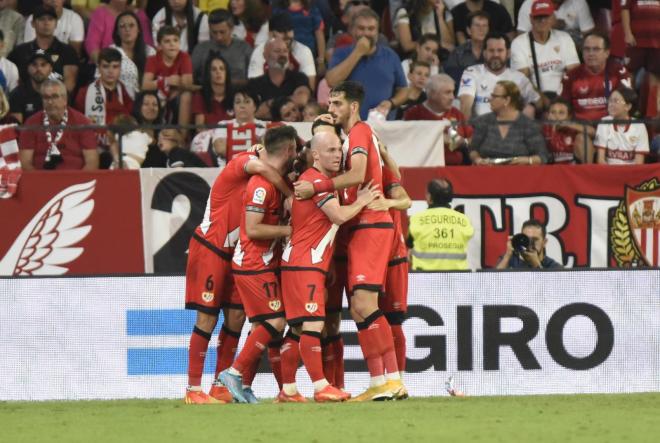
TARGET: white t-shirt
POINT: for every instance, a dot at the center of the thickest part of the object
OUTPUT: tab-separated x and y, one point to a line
70	28
10	71
552	57
204	33
300	52
575	14
405	65
621	142
427	22
478	82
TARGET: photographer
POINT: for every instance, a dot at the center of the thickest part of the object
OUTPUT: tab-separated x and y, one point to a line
527	249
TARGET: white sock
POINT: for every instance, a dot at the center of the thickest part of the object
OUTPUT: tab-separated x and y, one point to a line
233	371
195	388
378	380
290	388
392	376
320	384
247	387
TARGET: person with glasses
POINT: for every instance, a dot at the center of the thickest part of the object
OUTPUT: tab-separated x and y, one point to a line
531	257
506	136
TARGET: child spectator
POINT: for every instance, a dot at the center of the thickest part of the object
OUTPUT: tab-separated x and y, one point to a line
311	111
565	141
418	77
426	50
214	101
170	73
625	144
191	24
8	70
170	142
308	27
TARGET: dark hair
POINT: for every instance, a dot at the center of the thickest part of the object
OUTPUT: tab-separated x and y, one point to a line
218	16
280	22
601	35
254	15
137	107
276	106
109	55
166	30
629	96
207	89
427	38
243	90
441	192
139	48
559	100
318	122
191	24
533	223
494	35
474	14
275	138
353	91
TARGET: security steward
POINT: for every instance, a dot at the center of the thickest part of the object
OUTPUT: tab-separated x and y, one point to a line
438	236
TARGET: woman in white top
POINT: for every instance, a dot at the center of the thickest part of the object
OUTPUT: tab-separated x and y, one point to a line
625	144
250	21
192	24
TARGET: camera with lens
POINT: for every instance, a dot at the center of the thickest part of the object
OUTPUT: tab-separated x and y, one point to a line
520	243
53	161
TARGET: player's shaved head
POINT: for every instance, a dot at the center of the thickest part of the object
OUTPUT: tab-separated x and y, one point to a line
323	139
326	151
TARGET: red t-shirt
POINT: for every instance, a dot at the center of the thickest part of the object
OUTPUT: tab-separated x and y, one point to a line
586	91
617	41
114	106
560	143
156	65
399	248
71	145
361	141
422	112
260	196
218	112
313	240
644	21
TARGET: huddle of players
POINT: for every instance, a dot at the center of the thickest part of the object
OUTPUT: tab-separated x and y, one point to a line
237	262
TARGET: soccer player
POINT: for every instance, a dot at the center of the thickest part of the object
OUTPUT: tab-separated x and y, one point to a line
209	283
305	263
369	231
256	260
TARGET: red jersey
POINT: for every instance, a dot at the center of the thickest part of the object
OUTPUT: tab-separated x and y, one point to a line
617	41
258	255
560	143
399	248
361	141
587	91
241	137
422	112
156	65
218	112
644	21
222	216
312	241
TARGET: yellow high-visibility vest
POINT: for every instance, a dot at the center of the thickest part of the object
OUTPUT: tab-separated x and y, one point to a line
440	239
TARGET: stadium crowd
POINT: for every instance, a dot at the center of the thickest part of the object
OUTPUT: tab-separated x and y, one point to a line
560	72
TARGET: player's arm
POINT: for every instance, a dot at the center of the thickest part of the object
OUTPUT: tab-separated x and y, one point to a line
352	177
256	230
341	214
256	166
388	161
398	199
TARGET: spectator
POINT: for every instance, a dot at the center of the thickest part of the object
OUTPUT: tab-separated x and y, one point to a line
311	111
64	56
250	21
300	56
500	20
419	17
376	66
572	16
279	81
234	50
147	110
418	77
170	142
301	96
189	21
285	110
102	24
478	82
8	70
469	53
61	149
213	102
25	100
438	106
134	143
13	25
553	53
170	73
5	117
532	256
588	87
129	41
428	229
566	140
308	26
70	28
506	136
618	144
426	50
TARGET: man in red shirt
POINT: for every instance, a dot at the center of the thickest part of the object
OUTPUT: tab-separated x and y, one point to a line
369	231
209	283
60	148
588	86
438	106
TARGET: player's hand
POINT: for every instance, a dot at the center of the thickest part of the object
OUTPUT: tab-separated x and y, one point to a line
380	204
328	118
257	147
368	193
288	202
303	190
363	46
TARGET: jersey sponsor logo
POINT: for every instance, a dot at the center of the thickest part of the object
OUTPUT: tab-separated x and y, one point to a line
556	48
484	86
583	89
466	81
259	196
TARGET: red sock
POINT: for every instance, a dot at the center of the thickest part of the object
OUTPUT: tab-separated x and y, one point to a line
370	352
310	351
250	372
383	332
328	360
399	346
227	345
290	357
275	360
199	343
338	351
255	344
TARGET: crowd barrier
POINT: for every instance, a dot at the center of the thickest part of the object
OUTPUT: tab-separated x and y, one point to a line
496	333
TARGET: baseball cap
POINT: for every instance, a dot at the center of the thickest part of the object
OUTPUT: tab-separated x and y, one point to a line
41	54
41	11
542	8
280	22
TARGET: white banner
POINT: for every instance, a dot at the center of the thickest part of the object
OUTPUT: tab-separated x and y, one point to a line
506	333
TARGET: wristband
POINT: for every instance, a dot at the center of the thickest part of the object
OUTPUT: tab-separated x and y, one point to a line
326	185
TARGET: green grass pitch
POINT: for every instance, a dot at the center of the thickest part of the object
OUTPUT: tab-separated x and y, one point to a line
631	418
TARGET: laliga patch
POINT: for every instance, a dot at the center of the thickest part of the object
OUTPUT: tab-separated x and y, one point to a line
311	307
207	296
275	305
259	196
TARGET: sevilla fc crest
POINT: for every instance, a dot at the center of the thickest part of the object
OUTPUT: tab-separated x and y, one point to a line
275	305
311	307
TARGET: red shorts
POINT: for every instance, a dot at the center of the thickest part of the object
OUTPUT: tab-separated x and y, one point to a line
209	282
367	259
396	287
337	285
303	292
260	294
